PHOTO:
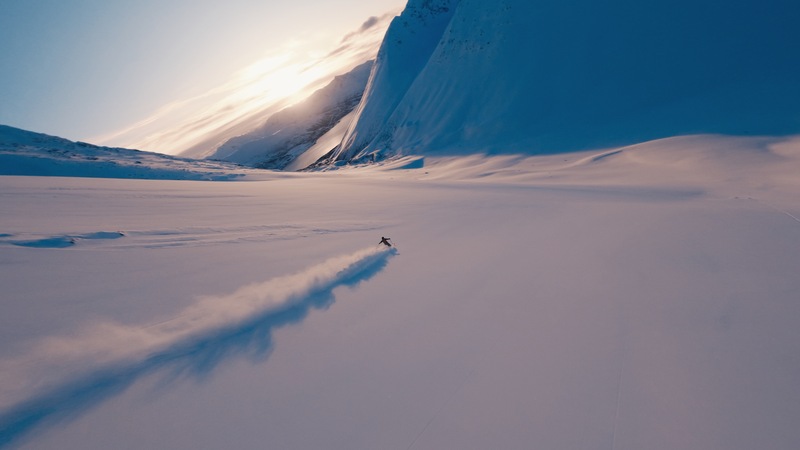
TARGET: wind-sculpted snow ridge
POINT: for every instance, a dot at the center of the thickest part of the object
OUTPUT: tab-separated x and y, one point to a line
107	358
62	241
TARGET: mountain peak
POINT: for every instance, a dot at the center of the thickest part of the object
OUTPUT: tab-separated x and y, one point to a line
554	76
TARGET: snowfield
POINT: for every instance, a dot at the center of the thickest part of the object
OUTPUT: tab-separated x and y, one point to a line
643	297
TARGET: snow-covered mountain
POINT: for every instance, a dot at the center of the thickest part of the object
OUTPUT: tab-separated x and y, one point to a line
286	135
407	47
27	153
631	297
549	75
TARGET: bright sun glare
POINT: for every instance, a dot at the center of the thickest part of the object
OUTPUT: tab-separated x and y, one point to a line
270	81
281	78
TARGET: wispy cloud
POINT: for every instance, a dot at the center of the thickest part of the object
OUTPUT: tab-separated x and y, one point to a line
282	77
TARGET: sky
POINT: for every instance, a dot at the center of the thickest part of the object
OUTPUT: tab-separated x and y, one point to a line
147	72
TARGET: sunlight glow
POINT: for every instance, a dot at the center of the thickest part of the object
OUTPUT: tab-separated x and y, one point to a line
196	126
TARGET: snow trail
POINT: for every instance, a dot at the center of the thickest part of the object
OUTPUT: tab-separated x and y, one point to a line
107	358
209	315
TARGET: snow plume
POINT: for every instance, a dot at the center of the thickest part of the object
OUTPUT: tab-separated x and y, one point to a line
107	358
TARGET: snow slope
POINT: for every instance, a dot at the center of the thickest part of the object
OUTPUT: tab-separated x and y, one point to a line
286	135
635	297
409	42
327	143
551	76
28	153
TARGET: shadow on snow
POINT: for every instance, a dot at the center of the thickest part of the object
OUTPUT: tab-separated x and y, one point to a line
194	357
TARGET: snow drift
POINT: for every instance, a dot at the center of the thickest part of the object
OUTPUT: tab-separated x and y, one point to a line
550	76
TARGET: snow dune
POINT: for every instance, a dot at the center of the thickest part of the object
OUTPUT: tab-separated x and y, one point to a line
60	241
107	357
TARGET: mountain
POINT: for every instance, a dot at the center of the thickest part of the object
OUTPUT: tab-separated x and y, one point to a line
551	76
286	135
406	49
27	153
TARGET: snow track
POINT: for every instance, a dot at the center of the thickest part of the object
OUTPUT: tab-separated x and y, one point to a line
182	237
107	358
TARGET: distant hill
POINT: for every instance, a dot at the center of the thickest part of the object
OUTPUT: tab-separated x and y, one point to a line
27	153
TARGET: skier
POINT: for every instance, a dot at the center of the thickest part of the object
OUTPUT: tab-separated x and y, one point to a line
385	241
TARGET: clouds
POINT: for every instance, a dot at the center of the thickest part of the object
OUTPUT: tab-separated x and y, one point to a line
369	23
380	23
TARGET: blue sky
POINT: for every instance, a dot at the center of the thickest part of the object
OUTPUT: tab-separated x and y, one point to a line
86	69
